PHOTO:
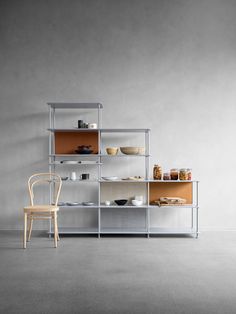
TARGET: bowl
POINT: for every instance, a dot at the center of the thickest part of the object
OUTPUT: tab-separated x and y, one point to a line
137	202
132	150
112	150
120	202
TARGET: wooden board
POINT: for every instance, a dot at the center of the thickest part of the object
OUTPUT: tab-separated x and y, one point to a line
171	189
68	142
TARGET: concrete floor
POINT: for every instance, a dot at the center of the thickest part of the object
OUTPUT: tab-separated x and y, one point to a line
119	275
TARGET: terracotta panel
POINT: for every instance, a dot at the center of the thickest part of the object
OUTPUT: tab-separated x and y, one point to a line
67	142
171	189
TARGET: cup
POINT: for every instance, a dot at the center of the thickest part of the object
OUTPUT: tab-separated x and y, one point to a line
138	198
84	176
92	125
73	176
107	203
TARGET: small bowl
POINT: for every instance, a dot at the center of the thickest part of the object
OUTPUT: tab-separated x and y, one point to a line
64	178
112	150
120	202
137	202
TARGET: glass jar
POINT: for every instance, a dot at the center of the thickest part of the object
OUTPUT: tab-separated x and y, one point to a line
174	174
189	174
166	176
157	172
183	174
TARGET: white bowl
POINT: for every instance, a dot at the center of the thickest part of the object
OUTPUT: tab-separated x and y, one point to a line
137	202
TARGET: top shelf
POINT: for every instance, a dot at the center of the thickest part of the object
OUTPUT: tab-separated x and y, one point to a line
62	105
101	130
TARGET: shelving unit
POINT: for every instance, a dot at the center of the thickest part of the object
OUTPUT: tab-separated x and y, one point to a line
62	144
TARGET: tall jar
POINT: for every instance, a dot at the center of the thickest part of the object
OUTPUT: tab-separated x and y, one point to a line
174	174
189	174
157	172
183	174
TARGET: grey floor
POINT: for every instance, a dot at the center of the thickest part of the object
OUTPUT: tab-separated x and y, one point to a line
119	275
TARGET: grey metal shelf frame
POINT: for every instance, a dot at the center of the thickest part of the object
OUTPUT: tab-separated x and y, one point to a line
100	158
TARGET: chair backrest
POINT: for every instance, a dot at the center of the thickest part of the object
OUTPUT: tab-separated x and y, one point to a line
53	179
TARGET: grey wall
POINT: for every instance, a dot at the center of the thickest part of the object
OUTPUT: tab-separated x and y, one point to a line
166	65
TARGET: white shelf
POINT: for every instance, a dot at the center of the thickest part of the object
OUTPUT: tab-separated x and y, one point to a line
73	105
78	206
172	181
173	206
76	231
75	129
123	206
123	230
101	158
96	155
172	231
123	181
122	155
78	181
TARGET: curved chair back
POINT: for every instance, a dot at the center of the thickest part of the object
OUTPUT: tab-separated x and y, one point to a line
53	179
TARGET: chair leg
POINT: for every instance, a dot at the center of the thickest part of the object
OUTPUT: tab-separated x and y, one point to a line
58	238
55	229
30	228
25	230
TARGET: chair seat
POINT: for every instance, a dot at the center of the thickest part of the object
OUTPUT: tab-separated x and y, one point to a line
41	208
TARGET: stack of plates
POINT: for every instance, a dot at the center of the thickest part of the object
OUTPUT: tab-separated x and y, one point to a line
110	178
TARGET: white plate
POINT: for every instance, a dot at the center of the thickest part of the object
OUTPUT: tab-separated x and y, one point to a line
87	203
110	178
69	162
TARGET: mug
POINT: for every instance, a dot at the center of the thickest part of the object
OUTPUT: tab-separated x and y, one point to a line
84	176
80	124
92	125
73	176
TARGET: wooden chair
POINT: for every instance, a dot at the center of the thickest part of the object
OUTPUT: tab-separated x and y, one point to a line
40	212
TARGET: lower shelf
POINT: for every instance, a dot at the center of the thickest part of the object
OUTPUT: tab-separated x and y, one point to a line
172	231
76	231
180	231
123	231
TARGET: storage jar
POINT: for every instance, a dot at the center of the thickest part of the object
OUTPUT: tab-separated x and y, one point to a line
157	172
174	174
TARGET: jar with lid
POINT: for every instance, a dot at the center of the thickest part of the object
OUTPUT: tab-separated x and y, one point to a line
166	176
174	174
183	174
157	172
189	174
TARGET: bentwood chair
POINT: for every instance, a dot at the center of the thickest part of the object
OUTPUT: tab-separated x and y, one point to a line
40	212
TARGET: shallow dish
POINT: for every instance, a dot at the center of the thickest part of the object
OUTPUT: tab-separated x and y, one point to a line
87	203
64	178
72	203
61	204
132	150
120	202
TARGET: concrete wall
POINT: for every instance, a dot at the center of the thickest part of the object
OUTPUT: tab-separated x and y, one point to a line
165	65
